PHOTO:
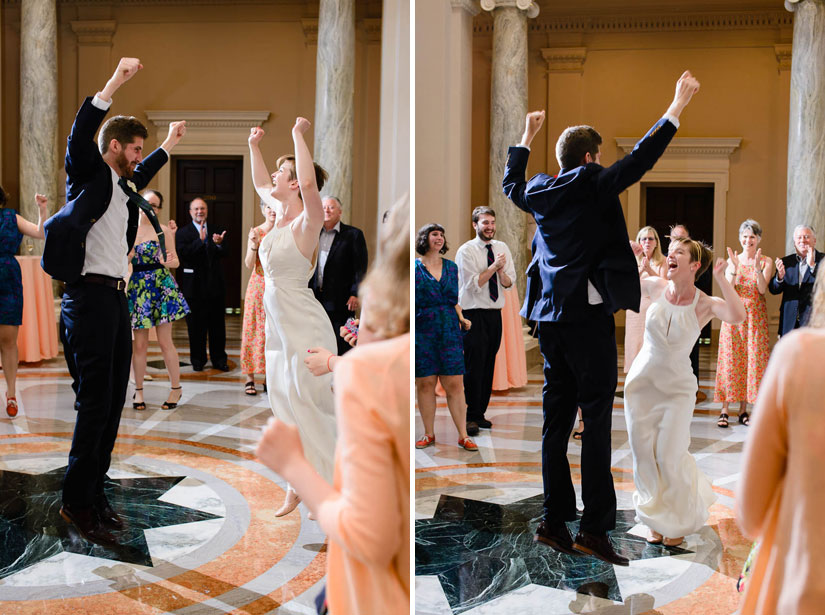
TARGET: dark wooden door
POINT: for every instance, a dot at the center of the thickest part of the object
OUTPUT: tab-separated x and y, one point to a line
688	205
218	181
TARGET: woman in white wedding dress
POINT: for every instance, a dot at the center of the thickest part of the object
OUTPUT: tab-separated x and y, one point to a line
295	321
672	495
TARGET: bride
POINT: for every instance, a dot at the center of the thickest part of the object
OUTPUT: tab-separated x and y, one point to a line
295	321
672	496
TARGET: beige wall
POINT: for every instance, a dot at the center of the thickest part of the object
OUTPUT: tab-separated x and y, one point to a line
233	56
626	83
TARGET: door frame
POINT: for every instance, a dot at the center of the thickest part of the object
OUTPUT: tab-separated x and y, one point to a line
213	133
687	160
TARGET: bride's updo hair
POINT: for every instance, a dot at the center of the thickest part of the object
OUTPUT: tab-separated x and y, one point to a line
385	291
320	174
698	250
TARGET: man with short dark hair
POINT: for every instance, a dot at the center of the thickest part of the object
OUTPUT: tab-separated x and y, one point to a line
485	270
87	243
794	280
582	271
200	277
342	264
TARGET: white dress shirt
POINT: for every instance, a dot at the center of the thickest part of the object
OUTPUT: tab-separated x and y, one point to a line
471	260
324	246
106	246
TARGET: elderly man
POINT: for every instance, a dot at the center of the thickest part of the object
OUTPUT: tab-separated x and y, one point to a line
200	277
794	279
342	263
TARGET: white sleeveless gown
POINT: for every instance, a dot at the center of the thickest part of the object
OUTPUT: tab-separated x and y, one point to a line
295	322
672	495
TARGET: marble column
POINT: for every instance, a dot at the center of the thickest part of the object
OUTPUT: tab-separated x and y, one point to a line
806	156
334	92
38	108
507	111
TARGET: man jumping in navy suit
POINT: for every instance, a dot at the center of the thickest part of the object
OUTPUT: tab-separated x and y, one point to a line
582	271
87	243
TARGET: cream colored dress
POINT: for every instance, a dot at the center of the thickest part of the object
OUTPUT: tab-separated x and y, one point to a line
295	322
672	495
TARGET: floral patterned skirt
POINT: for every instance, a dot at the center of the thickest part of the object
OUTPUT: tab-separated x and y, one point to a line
154	299
253	337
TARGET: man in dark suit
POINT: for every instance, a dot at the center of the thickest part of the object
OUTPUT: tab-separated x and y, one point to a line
87	243
200	277
794	279
582	271
342	263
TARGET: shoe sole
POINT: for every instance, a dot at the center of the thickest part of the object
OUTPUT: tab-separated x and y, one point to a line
552	543
586	551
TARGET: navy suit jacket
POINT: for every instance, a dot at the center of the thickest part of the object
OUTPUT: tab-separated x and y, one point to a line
580	231
344	269
200	274
796	300
88	193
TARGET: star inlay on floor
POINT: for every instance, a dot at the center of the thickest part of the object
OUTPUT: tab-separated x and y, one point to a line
32	529
481	551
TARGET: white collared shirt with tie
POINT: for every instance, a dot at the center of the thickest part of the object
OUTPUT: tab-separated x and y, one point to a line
471	260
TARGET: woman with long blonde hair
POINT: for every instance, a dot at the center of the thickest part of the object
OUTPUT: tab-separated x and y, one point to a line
781	494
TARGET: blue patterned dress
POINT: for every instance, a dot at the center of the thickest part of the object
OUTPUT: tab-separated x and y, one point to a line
439	349
11	282
154	297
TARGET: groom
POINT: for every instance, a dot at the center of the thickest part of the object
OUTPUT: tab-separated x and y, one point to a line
87	243
582	271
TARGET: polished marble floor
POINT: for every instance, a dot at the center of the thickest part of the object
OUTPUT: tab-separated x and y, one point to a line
201	534
476	514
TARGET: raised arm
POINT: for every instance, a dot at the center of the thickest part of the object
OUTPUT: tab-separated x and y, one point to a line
729	307
305	173
261	178
29	229
126	69
514	184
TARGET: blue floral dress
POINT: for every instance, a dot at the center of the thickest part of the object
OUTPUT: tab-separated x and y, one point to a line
154	297
11	282
439	349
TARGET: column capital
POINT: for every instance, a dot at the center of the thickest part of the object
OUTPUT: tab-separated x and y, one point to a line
471	6
790	5
528	6
564	59
94	32
783	56
310	27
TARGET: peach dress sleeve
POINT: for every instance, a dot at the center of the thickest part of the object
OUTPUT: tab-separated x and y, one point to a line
368	518
781	496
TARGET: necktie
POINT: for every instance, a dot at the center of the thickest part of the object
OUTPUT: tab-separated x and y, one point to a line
493	282
138	200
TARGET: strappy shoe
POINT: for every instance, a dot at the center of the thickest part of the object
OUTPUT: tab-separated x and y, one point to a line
11	406
171	405
249	388
138	405
744	418
723	420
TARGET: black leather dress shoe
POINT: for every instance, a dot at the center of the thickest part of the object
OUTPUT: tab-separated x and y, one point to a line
472	428
221	366
484	423
87	525
196	367
598	545
555	535
107	515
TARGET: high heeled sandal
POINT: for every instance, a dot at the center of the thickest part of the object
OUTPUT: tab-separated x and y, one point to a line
11	406
138	405
171	405
290	503
249	388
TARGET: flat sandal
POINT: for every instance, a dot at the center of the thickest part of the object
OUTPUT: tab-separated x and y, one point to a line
723	420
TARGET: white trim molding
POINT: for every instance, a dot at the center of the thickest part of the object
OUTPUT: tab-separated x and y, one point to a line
213	133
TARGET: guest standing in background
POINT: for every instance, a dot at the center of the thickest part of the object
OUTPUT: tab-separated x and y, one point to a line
12	228
794	280
154	301
253	336
438	325
743	347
